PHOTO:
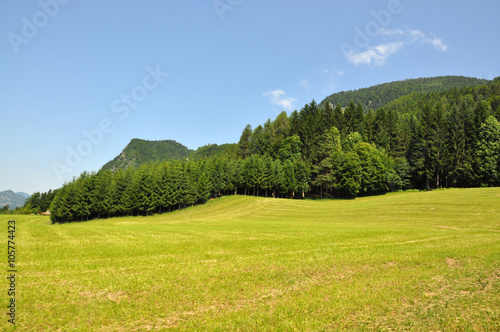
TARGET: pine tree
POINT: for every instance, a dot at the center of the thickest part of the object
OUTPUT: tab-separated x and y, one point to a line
119	185
101	204
338	118
328	116
145	203
131	200
369	127
60	209
161	189
244	143
308	130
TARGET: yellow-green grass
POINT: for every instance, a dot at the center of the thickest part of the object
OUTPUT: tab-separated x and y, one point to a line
403	261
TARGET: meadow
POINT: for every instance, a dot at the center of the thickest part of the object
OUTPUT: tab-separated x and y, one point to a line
403	261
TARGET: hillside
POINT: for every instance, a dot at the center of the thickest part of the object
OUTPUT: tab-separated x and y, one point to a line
12	199
25	195
379	95
211	150
140	151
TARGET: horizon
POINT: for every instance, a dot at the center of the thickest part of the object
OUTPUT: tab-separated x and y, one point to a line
105	73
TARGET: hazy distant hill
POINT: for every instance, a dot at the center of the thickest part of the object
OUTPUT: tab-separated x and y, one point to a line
24	194
380	95
12	199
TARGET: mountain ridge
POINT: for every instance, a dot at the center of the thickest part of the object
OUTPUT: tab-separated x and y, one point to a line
9	197
379	95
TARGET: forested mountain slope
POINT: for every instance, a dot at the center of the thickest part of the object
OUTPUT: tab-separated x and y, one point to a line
379	95
140	151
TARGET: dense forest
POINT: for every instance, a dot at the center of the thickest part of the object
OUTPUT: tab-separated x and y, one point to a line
380	95
420	141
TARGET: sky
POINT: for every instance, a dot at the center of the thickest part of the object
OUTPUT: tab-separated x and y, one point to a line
80	79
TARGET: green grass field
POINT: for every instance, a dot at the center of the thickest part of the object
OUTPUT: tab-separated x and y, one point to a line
404	261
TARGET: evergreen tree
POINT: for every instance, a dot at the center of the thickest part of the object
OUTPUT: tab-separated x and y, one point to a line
131	201
145	191
280	130
84	194
338	118
101	204
369	127
204	186
161	188
118	189
488	151
308	130
244	143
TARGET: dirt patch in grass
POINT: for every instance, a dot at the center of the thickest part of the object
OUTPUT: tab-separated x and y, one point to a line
453	263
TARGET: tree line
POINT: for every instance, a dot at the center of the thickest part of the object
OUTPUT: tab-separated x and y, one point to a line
421	141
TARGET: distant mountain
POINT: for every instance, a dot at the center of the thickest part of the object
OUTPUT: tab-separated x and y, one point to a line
140	151
12	199
23	194
380	95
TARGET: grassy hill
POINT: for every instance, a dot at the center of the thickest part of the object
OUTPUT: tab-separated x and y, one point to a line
379	95
415	260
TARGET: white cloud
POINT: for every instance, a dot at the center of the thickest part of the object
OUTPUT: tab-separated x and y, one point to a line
438	43
374	56
279	98
419	36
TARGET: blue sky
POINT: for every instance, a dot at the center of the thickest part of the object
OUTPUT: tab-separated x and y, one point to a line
80	79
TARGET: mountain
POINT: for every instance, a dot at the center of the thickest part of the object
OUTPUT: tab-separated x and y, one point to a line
380	95
23	194
12	199
140	151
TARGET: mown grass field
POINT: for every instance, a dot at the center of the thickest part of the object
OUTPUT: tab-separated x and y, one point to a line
404	261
